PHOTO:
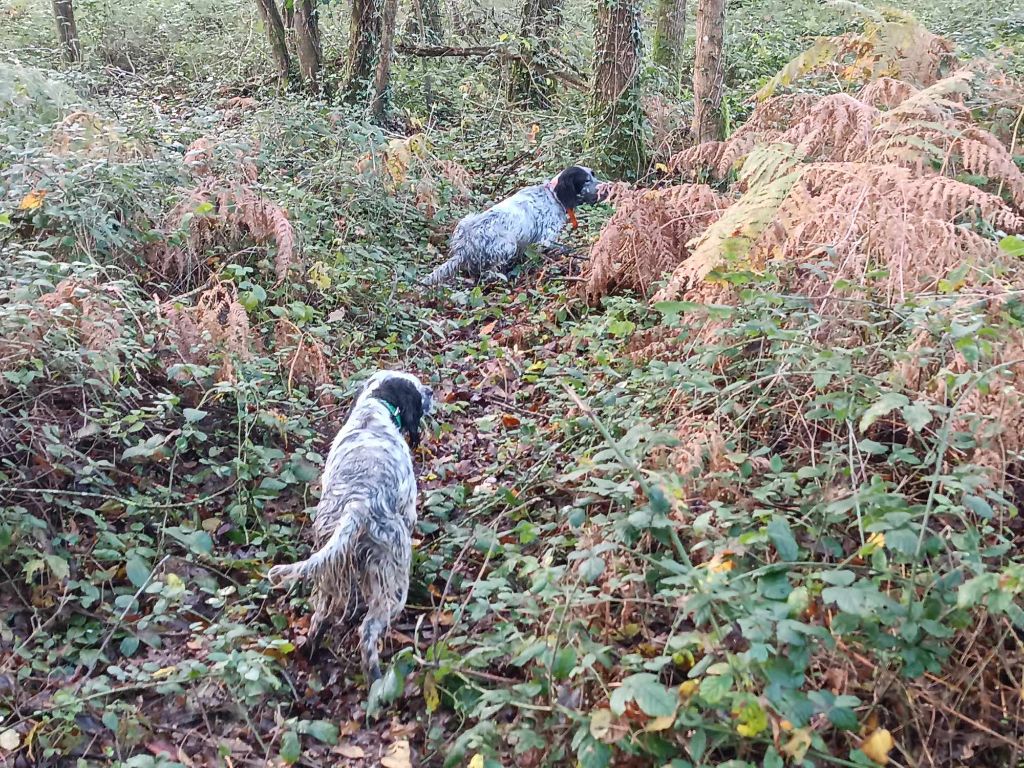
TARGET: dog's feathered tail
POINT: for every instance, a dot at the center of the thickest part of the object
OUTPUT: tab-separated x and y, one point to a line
444	273
334	557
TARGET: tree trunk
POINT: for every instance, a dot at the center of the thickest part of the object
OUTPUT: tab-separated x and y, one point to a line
307	42
708	71
425	24
618	126
67	31
540	24
288	14
669	35
275	34
368	73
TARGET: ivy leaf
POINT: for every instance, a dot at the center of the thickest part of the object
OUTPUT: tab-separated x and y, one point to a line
782	537
885	405
291	750
323	731
137	570
979	506
591	569
917	416
714	688
563	663
58	567
193	415
651	696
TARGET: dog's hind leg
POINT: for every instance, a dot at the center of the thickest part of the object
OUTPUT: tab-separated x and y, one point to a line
369	640
385	588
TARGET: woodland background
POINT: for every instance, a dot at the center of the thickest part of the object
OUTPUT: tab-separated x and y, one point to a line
736	483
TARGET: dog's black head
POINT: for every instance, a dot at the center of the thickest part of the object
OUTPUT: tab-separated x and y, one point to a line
576	186
405	393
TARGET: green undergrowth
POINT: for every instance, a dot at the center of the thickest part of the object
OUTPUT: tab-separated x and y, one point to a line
592	583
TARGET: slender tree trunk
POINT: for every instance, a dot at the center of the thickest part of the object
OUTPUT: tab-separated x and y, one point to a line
708	71
618	129
275	34
368	73
425	24
307	42
669	34
541	22
67	31
288	14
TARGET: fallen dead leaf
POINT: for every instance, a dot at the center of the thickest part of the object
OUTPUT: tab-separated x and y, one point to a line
399	755
878	745
32	200
350	751
10	740
660	723
510	421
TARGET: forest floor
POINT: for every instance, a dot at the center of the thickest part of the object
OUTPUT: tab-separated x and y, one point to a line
759	547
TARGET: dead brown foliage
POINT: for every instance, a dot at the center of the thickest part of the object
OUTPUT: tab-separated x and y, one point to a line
302	359
87	308
214	331
219	212
870	187
647	234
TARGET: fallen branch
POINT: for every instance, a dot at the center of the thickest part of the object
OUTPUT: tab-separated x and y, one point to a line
484	51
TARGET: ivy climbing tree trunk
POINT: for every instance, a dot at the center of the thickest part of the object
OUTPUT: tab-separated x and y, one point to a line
307	42
424	24
708	71
618	129
275	35
67	30
368	73
669	34
541	21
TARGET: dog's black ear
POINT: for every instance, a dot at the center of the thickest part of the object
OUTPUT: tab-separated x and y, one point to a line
573	187
406	397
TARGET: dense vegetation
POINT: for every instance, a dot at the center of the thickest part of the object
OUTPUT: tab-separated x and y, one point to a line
737	482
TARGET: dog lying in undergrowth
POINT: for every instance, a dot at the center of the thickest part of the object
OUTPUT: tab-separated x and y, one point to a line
488	244
364	522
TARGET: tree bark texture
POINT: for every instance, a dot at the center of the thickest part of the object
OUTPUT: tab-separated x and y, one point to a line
275	35
541	21
288	14
424	24
669	34
618	128
368	73
67	31
708	71
307	42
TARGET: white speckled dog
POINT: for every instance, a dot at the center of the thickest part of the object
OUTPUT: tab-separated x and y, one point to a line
364	521
490	243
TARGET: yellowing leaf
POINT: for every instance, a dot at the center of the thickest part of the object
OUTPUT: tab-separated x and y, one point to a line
688	688
10	740
878	745
164	672
660	723
430	695
661	167
600	723
477	761
398	756
798	744
32	200
174	581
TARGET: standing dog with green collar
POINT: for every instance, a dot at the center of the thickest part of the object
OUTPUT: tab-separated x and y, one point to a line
364	521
